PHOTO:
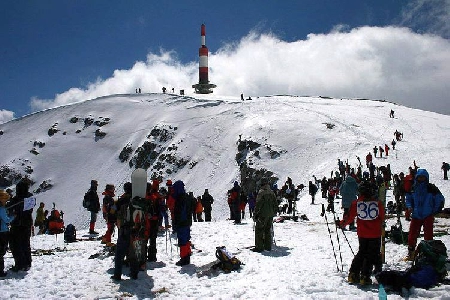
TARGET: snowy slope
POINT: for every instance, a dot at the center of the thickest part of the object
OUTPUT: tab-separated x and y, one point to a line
204	131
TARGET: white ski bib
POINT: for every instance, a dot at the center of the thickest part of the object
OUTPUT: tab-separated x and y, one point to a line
367	210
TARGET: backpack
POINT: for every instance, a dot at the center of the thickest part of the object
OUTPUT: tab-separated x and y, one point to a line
55	222
70	234
137	216
86	201
433	254
227	262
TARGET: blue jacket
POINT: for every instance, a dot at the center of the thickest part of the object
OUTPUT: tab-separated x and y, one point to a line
425	199
4	219
348	191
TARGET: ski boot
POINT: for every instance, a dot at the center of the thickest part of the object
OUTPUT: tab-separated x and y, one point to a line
365	280
353	278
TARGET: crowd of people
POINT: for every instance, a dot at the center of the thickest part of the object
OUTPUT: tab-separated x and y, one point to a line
363	197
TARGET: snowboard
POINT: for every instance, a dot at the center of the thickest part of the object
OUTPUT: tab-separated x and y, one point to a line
138	240
139	183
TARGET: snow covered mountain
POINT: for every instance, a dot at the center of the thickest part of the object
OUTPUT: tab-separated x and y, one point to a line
196	139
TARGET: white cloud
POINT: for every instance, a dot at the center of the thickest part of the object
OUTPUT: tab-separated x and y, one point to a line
391	63
5	116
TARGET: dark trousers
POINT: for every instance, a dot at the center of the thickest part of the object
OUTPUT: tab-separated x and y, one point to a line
153	234
122	248
208	214
4	239
19	242
367	257
263	235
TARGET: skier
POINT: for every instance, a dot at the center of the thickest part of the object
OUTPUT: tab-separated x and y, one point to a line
266	208
393	143
207	201
370	213
288	192
422	204
94	205
375	150
5	219
368	159
386	149
182	222
109	212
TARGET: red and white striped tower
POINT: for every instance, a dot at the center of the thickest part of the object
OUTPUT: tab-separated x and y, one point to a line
203	86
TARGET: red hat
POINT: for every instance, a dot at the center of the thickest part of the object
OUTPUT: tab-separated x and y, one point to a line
169	182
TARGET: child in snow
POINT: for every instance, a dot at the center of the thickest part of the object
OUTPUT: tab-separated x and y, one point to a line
4	231
370	216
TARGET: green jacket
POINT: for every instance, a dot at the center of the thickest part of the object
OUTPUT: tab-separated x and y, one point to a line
266	203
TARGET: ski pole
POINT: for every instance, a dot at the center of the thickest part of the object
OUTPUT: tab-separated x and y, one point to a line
339	243
273	235
345	236
166	240
329	232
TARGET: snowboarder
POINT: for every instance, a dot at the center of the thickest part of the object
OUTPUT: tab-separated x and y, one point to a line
266	208
370	213
207	201
123	238
422	204
91	197
182	222
5	219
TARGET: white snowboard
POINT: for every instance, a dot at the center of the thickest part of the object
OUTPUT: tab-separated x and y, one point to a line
139	183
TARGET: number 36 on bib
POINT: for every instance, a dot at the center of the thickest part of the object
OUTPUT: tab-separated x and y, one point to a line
368	210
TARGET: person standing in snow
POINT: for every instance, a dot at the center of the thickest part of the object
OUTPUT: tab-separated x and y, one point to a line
375	150
154	215
20	231
370	216
349	193
5	219
266	208
207	201
109	212
445	167
386	149
312	189
91	197
424	201
183	222
234	202
40	218
124	235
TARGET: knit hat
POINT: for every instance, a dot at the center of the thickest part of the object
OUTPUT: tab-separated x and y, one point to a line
4	196
94	183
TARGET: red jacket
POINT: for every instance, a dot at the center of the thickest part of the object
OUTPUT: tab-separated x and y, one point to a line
370	216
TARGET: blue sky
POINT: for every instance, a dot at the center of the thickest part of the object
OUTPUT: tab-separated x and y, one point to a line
52	48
